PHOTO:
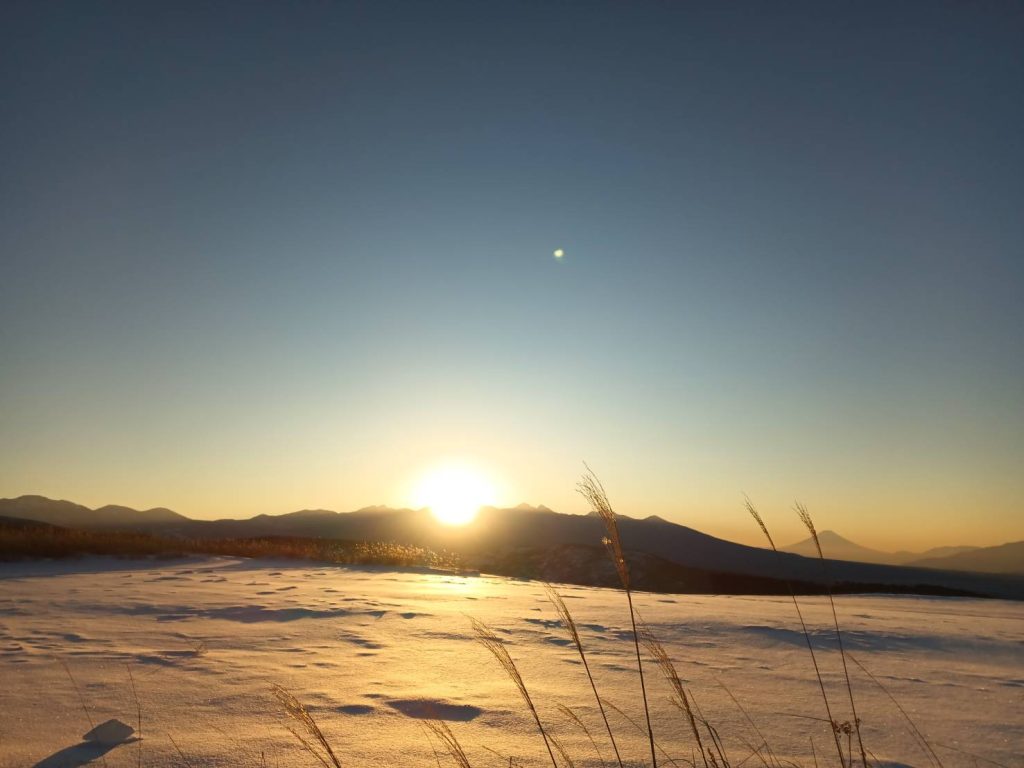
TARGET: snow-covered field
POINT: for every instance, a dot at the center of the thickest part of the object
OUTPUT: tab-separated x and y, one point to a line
373	651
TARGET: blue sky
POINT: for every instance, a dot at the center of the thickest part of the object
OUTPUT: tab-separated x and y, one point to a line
260	257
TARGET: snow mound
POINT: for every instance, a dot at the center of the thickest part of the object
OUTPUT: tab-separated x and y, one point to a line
435	709
113	731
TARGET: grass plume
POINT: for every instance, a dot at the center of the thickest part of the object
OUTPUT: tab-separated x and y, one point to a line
451	744
591	489
805	518
486	637
567	760
305	729
570	626
679	695
807	635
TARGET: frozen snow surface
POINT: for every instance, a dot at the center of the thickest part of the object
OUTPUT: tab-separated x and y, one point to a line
372	653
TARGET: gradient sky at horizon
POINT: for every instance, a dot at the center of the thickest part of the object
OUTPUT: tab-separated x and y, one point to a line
260	257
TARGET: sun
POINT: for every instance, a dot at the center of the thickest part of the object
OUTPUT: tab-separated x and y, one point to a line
454	493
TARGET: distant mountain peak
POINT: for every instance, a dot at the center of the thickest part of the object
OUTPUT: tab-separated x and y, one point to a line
832	536
527	507
41	508
312	513
837	547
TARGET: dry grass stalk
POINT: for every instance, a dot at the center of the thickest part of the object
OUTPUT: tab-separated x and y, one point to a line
497	648
679	695
915	731
81	701
138	710
716	741
509	758
437	757
314	740
771	761
668	758
755	751
444	734
185	760
566	757
78	692
805	518
573	718
591	489
807	635
570	625
974	758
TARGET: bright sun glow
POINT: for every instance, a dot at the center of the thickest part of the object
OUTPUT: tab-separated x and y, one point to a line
454	493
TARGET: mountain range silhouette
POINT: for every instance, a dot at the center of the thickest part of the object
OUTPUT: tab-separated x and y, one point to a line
524	540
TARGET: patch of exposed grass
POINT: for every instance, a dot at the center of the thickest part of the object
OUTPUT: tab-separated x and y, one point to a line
48	541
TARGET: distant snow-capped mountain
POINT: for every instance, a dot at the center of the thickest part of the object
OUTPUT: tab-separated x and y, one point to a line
836	547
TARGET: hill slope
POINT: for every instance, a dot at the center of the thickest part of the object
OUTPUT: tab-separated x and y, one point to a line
67	513
1006	558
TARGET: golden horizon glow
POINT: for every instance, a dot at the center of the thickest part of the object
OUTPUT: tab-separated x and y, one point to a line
454	493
